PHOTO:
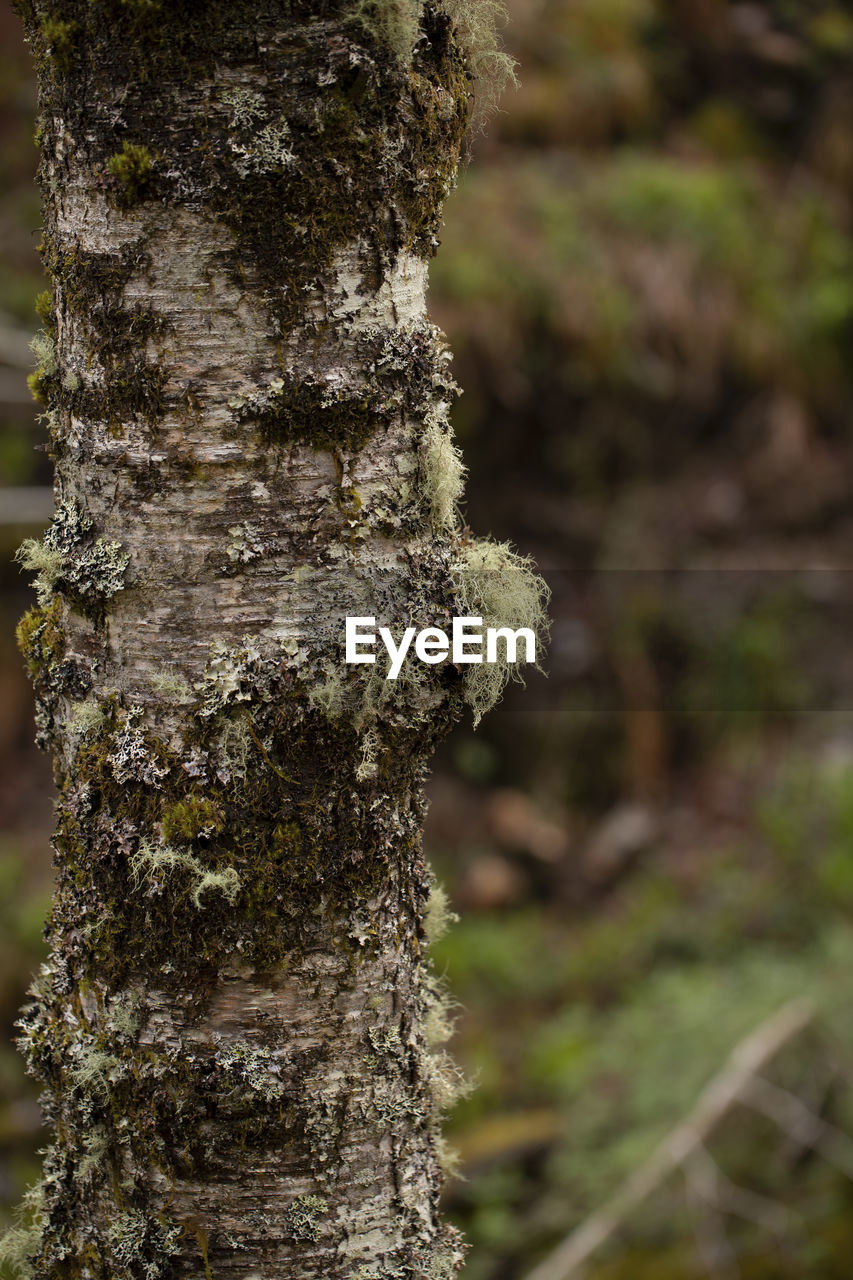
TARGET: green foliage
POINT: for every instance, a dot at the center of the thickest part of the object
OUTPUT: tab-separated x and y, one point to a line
544	249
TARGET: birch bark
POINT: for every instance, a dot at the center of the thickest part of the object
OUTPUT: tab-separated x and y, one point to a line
236	1029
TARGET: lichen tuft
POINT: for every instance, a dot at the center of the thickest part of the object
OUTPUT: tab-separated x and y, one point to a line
492	581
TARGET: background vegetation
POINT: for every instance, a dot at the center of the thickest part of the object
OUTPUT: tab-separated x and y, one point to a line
647	279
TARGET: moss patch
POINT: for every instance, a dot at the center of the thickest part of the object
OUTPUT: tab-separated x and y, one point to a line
132	168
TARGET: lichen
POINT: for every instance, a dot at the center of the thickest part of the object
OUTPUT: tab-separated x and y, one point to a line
477	25
40	382
89	572
251	1067
493	582
396	23
86	718
131	758
171	685
153	865
327	695
21	1242
301	1217
269	151
367	766
246	542
438	916
144	1243
230	676
442	475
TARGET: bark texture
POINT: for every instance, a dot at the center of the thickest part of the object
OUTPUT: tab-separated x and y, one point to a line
236	1027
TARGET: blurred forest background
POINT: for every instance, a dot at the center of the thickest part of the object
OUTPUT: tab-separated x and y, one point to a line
647	281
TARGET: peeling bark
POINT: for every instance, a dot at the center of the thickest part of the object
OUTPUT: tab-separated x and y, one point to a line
236	1026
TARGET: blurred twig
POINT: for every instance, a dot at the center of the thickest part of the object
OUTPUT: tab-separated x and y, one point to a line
733	1085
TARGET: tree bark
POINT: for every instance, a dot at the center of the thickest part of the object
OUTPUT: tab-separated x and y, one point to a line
236	1028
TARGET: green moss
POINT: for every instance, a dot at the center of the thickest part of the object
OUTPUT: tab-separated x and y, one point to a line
132	168
187	819
301	410
39	385
41	637
59	40
44	308
91	286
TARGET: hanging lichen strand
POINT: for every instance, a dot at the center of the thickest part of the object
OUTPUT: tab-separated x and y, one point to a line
238	1030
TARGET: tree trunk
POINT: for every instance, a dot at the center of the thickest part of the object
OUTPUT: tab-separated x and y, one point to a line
248	411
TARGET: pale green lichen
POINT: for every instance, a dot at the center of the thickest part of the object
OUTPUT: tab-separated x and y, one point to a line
493	582
23	1239
67	560
96	1071
145	1242
438	916
226	882
367	766
154	864
477	24
229	676
86	719
246	543
442	475
235	747
396	23
301	1217
45	562
269	150
327	696
251	1067
244	107
95	1148
43	348
170	684
124	1017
